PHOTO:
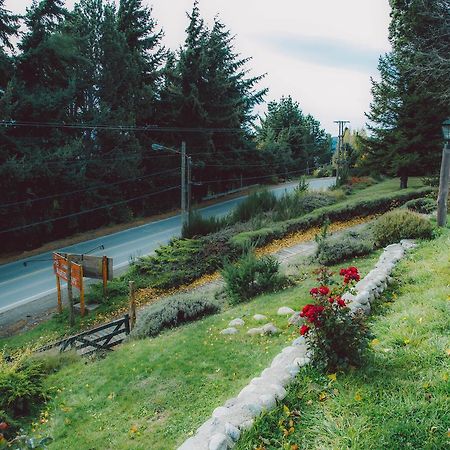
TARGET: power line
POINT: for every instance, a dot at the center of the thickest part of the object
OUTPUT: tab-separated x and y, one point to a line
88	210
64	194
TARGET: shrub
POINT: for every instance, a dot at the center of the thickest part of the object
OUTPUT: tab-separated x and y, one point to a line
172	312
334	249
255	204
21	390
422	205
251	276
334	337
401	224
201	226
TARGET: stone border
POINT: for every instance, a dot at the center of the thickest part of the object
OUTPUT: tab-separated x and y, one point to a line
223	429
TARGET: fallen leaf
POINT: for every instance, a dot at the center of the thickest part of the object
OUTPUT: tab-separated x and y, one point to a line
375	342
322	396
332	376
358	397
134	429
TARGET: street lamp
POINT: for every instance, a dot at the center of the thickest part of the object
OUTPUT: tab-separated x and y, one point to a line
186	163
444	176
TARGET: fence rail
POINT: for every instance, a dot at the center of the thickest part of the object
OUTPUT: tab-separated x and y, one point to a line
100	338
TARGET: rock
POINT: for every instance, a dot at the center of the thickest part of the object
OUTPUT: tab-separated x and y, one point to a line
236	323
247	424
218	442
270	328
285	311
295	319
259	317
232	432
230	330
254	331
268	401
220	411
300	341
193	443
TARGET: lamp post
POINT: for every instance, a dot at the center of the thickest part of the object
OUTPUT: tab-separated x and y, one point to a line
444	177
186	166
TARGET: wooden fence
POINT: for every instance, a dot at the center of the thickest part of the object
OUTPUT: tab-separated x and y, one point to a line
97	339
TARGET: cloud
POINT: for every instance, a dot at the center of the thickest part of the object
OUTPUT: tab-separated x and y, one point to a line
326	52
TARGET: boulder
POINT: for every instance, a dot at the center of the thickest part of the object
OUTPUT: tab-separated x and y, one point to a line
285	311
230	330
236	323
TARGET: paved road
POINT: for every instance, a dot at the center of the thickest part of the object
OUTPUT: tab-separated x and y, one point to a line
22	285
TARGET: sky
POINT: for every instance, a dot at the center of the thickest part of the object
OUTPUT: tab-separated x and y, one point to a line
322	53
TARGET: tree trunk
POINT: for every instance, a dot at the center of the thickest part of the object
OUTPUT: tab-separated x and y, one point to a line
403	181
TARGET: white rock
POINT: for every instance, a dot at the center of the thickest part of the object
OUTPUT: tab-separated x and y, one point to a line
295	319
232	431
194	443
247	424
285	311
220	411
300	362
254	331
270	328
236	323
300	341
268	401
259	317
218	442
230	330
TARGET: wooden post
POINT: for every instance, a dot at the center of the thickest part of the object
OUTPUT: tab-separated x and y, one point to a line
58	290
82	308
105	276
69	290
132	306
443	187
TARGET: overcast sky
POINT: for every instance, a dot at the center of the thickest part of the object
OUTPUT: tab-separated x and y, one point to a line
321	52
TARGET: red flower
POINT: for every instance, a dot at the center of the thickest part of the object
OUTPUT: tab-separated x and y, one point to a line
3	426
324	290
314	291
331	299
350	274
312	313
304	329
341	302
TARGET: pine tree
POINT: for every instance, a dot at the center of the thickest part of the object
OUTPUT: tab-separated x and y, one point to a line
9	26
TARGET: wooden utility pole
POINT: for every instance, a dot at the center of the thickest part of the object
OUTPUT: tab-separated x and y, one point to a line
341	124
69	291
183	182
189	188
132	305
443	187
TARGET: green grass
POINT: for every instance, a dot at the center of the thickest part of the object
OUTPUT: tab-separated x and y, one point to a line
399	399
165	387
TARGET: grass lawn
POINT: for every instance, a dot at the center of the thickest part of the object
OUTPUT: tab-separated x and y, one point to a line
153	393
57	326
399	399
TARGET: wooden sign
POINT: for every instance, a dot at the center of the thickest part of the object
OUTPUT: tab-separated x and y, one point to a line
60	268
94	266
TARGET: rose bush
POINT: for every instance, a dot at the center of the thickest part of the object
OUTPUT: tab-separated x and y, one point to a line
335	338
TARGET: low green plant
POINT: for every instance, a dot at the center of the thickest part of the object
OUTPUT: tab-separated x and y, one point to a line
172	312
21	389
338	248
424	205
255	204
401	224
201	226
251	276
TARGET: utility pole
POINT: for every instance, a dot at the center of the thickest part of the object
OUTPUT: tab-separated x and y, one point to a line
189	188
183	182
341	124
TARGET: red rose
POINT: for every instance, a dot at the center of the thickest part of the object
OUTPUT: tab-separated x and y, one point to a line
304	329
331	299
341	302
324	290
342	272
314	291
3	426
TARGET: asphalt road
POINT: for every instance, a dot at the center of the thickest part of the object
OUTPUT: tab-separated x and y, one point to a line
32	287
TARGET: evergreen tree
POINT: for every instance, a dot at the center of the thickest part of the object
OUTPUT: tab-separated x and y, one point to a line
9	26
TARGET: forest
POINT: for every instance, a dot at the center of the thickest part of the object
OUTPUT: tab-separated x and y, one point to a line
85	93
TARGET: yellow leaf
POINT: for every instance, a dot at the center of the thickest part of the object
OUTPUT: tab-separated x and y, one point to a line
358	397
291	430
294	447
291	423
322	396
445	377
448	351
375	342
133	429
420	319
406	341
332	376
286	410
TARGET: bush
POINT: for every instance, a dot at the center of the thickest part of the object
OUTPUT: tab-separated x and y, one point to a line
201	226
21	389
255	204
172	312
251	276
334	249
401	224
335	338
422	205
